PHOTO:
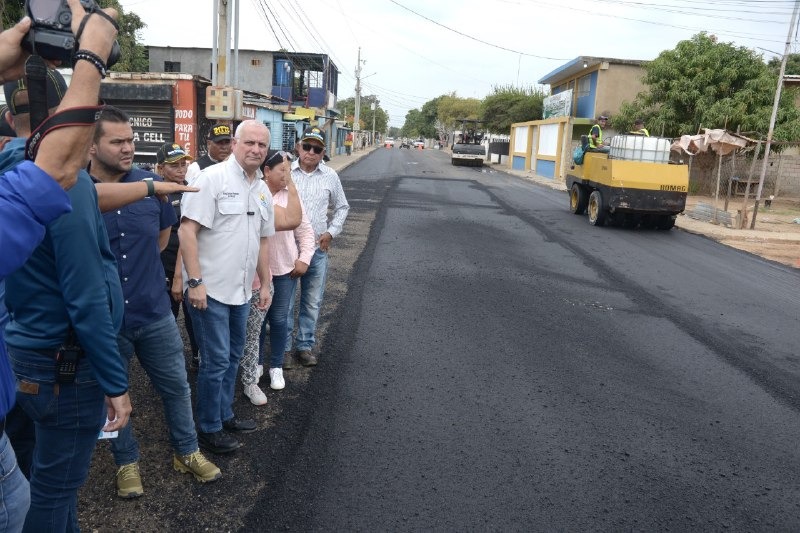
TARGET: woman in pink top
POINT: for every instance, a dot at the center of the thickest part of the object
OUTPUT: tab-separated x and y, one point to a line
289	256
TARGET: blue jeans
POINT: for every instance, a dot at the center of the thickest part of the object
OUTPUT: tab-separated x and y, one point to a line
159	348
15	496
68	419
278	318
312	289
220	334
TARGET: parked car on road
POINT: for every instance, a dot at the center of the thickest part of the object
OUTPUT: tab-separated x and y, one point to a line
419	143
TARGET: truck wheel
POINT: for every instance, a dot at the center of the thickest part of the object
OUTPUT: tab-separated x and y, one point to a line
578	199
597	212
666	222
454	162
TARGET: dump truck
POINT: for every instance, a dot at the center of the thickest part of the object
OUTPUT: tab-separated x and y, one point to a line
634	184
467	148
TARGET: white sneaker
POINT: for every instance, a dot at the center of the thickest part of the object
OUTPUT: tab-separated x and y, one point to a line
276	381
259	371
256	395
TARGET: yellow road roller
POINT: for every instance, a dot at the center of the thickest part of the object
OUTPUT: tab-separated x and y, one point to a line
633	184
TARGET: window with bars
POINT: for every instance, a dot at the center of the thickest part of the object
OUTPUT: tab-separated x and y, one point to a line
172	66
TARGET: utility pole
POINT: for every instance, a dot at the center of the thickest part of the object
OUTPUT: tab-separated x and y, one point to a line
222	45
357	116
774	113
374	111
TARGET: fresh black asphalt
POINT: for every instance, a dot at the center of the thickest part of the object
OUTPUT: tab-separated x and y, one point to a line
497	364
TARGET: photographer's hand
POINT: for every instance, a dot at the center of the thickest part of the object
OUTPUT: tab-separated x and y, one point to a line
63	152
12	56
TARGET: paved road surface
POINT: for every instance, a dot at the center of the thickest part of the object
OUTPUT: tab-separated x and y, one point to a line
499	364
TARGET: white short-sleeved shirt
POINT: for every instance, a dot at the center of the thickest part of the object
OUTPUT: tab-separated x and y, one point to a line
234	214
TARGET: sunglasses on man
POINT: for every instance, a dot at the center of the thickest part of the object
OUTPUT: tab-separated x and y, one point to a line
308	147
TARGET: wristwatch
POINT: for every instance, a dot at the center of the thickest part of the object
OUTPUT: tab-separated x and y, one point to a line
194	282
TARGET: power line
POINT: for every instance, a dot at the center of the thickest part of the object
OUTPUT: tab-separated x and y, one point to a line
474	38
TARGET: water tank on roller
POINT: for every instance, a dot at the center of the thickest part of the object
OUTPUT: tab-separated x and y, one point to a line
283	68
640	148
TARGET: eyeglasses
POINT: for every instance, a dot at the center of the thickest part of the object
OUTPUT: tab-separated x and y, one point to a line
308	147
277	158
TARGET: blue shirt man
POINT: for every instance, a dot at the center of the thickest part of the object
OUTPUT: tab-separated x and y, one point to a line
138	232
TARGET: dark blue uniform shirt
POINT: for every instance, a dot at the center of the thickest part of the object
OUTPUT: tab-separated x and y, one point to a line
133	232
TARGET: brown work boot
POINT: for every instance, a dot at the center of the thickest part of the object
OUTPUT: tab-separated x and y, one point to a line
307	358
196	464
129	481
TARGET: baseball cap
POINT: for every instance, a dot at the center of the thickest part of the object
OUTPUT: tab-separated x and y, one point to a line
170	153
638	121
314	133
602	117
56	88
220	132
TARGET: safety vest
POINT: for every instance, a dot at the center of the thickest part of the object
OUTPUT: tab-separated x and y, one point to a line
599	141
642	131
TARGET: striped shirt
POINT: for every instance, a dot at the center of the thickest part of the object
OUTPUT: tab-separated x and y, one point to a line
318	191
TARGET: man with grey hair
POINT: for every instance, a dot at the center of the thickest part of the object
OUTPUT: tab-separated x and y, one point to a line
223	234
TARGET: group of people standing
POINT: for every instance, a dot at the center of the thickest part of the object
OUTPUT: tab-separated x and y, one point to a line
85	272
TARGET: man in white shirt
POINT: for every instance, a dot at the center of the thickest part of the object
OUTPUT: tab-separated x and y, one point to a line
223	242
319	188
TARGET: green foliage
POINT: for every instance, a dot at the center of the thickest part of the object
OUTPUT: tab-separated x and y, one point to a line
507	105
792	64
412	125
133	55
11	11
453	108
347	106
422	123
706	84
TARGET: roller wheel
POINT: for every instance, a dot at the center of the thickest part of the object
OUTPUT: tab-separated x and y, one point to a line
578	200
597	212
632	221
666	222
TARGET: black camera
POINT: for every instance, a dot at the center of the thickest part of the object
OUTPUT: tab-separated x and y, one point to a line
51	36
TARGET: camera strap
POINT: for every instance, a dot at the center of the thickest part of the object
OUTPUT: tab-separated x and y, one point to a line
36	74
74	116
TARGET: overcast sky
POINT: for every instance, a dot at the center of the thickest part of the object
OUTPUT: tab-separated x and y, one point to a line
416	50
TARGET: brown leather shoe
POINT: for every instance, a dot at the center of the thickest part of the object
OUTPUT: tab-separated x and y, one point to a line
307	358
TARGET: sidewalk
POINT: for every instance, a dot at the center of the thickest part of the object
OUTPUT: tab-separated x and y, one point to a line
340	162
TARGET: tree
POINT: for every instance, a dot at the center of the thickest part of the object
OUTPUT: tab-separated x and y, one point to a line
708	84
348	108
413	124
792	64
422	123
452	109
509	104
133	56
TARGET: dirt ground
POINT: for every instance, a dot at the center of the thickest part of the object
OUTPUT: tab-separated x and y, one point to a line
776	235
